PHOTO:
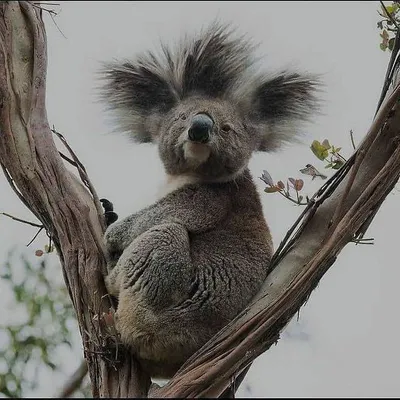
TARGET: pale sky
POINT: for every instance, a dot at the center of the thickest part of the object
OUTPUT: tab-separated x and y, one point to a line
345	342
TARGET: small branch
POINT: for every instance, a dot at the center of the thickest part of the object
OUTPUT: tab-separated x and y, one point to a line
38	5
13	186
287	196
22	220
82	173
75	381
52	13
36	235
341	157
64	157
352	139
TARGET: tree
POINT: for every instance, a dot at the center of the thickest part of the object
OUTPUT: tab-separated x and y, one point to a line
337	214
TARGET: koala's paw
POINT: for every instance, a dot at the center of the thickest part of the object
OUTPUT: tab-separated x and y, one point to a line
109	215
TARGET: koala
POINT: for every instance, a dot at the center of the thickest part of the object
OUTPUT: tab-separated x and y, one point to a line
184	267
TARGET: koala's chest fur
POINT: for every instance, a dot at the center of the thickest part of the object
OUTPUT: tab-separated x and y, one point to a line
173	183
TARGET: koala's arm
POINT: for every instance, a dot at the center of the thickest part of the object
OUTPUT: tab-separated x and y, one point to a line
197	209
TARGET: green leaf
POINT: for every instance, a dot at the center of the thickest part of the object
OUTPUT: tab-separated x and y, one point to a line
391	9
319	150
271	189
382	46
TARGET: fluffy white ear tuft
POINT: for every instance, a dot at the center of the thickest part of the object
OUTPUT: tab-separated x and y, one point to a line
277	105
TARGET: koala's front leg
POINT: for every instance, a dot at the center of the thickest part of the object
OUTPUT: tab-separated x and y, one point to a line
197	209
155	269
118	237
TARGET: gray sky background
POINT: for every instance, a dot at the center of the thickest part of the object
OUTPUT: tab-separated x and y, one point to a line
345	342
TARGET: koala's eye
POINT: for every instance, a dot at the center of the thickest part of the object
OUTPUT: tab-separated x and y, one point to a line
182	116
226	128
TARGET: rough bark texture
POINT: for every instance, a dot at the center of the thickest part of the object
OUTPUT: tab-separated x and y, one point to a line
338	213
71	215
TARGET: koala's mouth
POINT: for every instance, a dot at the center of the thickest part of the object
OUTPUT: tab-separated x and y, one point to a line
196	153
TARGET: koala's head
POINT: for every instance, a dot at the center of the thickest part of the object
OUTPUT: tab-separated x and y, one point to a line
206	106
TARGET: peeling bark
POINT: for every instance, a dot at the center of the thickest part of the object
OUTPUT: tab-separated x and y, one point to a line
71	213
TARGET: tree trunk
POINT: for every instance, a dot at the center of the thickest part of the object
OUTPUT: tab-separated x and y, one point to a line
71	213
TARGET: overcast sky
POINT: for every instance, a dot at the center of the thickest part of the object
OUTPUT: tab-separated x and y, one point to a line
346	341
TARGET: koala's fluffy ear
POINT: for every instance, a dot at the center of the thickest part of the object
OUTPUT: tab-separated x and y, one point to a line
277	105
140	95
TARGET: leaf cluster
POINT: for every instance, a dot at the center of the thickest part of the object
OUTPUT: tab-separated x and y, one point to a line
388	25
46	320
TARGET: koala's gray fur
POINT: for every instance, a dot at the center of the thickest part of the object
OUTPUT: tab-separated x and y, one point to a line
185	266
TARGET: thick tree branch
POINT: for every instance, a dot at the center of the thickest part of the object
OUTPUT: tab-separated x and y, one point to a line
70	214
339	212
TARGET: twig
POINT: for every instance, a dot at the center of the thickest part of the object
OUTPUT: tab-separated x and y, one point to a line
55	23
52	13
352	139
363	241
82	173
64	157
36	235
80	166
340	156
13	186
75	381
22	220
44	9
41	227
287	196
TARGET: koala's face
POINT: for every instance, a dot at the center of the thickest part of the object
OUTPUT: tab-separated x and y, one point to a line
206	139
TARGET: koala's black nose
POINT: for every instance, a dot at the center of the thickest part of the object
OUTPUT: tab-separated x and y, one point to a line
201	128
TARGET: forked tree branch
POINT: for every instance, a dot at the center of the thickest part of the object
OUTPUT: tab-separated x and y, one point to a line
339	212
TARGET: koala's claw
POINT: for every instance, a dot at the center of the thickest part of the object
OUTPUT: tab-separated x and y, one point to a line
109	214
107	205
